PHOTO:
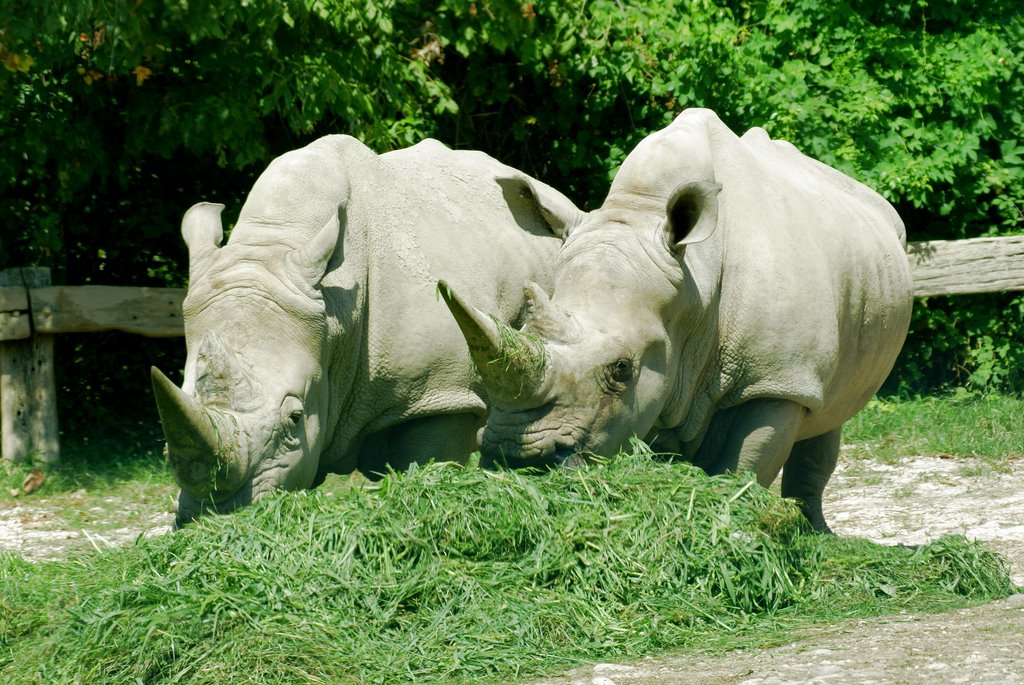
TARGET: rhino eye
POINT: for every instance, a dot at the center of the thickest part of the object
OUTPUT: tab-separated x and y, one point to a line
292	413
621	371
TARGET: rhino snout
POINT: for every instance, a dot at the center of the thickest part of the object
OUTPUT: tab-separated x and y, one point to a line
190	508
570	458
537	448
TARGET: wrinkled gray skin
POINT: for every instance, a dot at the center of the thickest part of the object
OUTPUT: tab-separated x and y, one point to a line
733	301
316	339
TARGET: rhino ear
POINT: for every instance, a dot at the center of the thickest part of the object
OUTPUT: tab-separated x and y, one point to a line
309	262
529	199
692	213
202	230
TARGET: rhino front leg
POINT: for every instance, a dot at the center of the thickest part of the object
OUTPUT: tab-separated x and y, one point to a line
443	437
760	438
808	469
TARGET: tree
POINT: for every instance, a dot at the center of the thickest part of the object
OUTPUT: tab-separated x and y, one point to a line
117	116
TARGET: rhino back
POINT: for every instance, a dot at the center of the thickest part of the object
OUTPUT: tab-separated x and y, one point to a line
815	292
427	213
300	191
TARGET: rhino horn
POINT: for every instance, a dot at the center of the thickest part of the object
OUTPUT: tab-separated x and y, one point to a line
538	304
512	364
220	375
545	318
196	442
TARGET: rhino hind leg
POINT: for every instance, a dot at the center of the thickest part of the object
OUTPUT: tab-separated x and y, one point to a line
808	469
442	437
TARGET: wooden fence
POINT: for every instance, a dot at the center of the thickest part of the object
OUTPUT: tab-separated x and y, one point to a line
32	312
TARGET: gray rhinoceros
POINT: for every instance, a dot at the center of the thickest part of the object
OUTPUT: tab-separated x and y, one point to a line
316	339
732	300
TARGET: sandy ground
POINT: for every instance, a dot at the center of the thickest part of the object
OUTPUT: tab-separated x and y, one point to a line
39	529
923	498
908	503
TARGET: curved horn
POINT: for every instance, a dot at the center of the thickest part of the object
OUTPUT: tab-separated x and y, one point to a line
203	232
538	304
512	364
197	447
546	319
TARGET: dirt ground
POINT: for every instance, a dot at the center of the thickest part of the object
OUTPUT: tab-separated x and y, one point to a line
911	502
39	528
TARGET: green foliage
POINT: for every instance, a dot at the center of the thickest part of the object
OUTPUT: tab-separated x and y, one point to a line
118	116
972	343
451	574
126	113
922	101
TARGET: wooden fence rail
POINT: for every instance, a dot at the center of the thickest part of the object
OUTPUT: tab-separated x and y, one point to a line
967	267
32	312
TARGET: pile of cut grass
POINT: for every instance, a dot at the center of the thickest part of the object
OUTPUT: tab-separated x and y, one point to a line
450	574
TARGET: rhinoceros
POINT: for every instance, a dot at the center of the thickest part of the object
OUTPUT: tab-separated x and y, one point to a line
733	301
316	341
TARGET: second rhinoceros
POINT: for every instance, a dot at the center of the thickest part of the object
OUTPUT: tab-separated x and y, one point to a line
316	340
733	300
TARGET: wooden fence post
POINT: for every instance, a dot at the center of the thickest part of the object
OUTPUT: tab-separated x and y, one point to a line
28	398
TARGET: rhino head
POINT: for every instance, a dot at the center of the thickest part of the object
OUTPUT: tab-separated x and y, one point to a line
248	417
595	364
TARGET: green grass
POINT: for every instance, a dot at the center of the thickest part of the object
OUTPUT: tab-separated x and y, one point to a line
457	575
449	574
987	426
519	350
92	463
97	471
102	485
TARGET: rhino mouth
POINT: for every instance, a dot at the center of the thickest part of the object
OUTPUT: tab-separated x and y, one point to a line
519	440
190	508
562	457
